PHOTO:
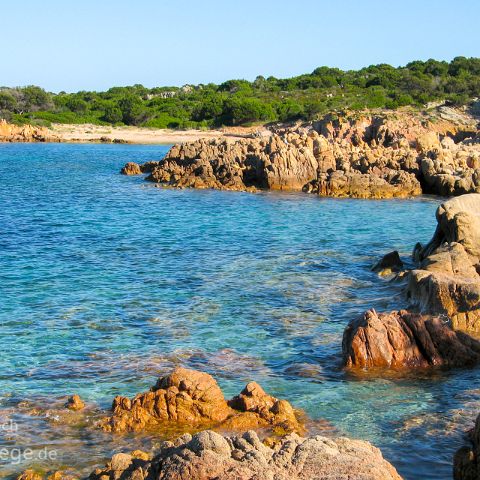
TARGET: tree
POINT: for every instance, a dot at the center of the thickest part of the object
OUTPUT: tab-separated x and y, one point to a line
132	109
7	101
112	113
76	105
35	98
239	110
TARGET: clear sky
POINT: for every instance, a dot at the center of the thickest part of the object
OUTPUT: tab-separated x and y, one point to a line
95	44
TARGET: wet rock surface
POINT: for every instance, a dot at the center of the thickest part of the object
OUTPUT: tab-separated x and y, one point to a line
466	462
353	155
192	398
208	455
389	263
406	340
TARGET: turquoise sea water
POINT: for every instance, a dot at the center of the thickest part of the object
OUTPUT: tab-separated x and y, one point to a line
107	283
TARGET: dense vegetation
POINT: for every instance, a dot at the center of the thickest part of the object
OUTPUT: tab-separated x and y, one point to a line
237	102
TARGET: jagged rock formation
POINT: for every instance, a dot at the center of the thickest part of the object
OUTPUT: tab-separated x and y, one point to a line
191	398
25	133
210	456
406	340
447	281
445	288
466	462
350	156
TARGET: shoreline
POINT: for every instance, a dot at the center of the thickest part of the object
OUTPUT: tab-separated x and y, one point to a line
89	133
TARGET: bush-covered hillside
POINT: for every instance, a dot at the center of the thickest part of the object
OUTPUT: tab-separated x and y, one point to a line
237	102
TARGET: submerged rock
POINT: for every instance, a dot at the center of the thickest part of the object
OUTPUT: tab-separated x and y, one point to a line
447	281
192	398
32	475
208	456
405	340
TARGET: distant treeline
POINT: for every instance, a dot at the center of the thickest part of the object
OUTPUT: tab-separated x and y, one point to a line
239	102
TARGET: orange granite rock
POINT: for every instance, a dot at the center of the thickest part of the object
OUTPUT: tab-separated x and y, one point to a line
192	398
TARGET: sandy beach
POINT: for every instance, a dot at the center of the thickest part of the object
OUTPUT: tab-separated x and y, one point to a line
141	135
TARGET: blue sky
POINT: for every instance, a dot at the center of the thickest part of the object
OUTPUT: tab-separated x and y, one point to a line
93	45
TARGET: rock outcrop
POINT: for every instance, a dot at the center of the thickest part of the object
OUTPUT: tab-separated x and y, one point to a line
131	168
361	156
25	133
208	456
193	399
466	462
444	288
447	280
75	403
403	339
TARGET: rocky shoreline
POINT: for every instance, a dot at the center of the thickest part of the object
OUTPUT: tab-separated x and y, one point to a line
352	155
255	435
268	439
89	133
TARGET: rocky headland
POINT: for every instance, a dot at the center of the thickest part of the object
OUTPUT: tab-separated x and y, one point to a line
382	155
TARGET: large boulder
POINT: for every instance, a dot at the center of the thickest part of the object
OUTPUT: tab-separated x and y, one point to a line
447	281
403	339
210	456
190	399
131	168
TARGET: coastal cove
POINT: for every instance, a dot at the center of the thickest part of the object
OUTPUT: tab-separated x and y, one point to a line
110	282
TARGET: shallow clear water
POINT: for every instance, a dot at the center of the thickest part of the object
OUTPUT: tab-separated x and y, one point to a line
107	282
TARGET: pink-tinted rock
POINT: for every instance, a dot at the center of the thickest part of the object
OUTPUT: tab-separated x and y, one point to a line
210	456
403	339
